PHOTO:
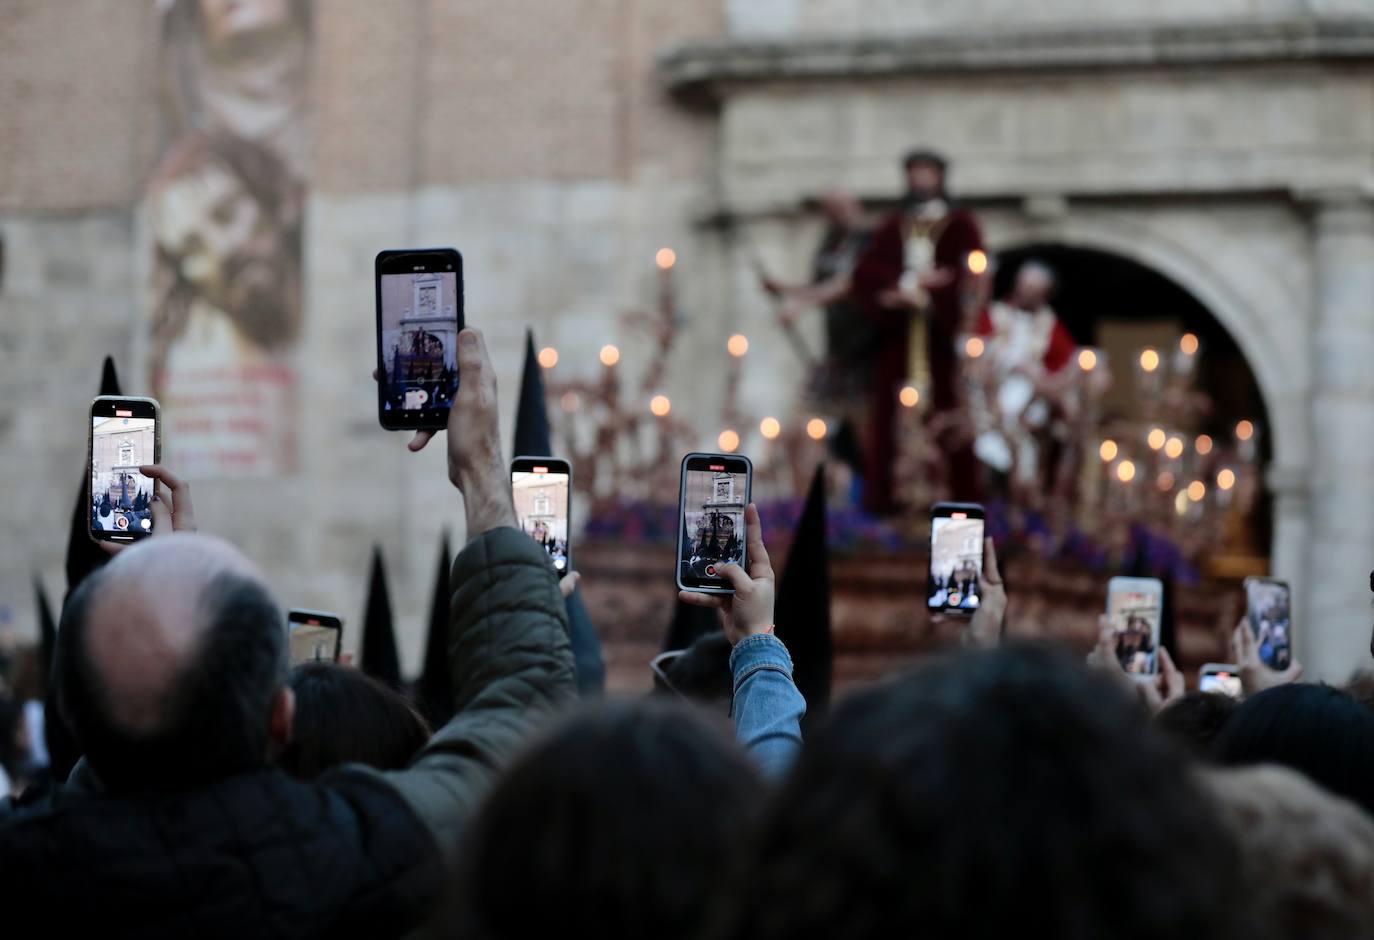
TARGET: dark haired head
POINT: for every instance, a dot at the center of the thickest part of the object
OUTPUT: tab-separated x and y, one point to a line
619	825
924	157
983	794
344	716
701	673
1321	731
212	716
1194	721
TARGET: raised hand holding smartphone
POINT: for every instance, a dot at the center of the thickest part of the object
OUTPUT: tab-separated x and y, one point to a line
712	530
125	440
419	317
749	608
1135	607
956	557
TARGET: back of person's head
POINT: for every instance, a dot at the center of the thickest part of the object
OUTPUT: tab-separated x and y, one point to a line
345	716
618	825
171	665
1323	732
701	673
1194	721
1307	857
982	795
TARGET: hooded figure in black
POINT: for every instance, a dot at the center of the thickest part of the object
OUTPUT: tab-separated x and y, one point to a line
532	439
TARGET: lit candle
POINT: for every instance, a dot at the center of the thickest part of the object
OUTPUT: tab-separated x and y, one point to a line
1246	435
1185	356
1148	371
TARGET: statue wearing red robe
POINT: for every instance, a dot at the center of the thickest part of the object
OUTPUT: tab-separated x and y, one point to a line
898	300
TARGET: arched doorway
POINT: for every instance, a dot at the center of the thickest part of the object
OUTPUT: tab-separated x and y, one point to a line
1119	305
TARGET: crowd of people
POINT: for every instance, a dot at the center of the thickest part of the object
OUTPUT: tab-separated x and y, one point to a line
998	789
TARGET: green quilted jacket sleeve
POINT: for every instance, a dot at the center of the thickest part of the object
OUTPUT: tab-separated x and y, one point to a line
512	667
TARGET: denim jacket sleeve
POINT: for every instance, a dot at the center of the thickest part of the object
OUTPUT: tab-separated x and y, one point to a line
767	707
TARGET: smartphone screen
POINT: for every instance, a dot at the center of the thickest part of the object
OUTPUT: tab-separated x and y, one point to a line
713	492
1135	606
419	316
315	636
1217	679
124	437
540	488
956	556
1269	608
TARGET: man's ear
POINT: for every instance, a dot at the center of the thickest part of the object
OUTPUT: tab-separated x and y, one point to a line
282	718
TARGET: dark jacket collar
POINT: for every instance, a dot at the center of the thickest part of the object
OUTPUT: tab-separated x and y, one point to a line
259	854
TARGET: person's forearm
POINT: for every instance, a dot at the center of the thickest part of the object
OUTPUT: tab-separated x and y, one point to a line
768	707
486	499
512	668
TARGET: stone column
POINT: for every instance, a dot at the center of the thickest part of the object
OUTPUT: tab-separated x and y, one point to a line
1333	639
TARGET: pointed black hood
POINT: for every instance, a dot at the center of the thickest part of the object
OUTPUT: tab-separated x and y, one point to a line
803	604
377	656
434	689
531	416
47	632
83	554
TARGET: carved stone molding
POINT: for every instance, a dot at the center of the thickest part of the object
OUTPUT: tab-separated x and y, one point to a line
710	67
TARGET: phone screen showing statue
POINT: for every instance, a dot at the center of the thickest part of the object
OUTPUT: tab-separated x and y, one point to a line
121	496
714	497
1269	609
419	343
956	561
541	505
1135	626
311	641
1227	683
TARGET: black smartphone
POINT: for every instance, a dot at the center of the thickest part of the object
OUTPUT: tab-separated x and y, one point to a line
712	494
419	316
1269	609
541	488
315	635
126	434
956	557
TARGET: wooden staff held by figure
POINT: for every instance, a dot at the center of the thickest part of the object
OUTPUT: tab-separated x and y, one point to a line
788	301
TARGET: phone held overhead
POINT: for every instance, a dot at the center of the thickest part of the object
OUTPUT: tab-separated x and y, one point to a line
956	557
125	434
315	635
1135	607
419	316
1269	611
713	491
541	488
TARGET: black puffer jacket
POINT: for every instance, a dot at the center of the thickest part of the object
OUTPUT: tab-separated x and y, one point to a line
257	855
357	852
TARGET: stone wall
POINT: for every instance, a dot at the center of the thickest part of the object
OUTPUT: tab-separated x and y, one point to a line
533	137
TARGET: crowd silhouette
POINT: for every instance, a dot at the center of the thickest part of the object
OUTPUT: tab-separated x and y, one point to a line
175	777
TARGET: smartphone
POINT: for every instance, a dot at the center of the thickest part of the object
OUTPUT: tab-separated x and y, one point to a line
314	635
419	316
1219	677
712	494
1269	609
126	434
541	488
956	557
1135	607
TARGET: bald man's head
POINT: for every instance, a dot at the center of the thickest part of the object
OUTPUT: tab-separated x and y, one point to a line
169	661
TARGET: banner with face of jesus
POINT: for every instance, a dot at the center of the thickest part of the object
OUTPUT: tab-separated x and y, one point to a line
224	210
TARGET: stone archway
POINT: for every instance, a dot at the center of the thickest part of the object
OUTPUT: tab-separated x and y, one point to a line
1265	320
